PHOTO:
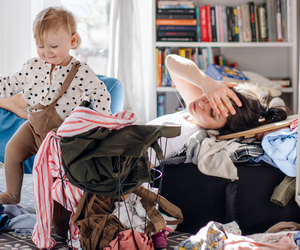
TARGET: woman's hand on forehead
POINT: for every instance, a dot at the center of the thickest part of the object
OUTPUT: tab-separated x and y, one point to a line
219	95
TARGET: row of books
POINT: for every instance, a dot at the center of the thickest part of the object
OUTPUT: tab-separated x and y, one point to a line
183	21
201	56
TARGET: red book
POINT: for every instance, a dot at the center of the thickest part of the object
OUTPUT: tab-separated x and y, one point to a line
176	22
203	24
209	29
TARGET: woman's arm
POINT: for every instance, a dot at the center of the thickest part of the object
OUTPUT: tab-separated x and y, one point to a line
191	83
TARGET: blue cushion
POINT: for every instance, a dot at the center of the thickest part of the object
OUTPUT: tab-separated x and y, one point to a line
9	122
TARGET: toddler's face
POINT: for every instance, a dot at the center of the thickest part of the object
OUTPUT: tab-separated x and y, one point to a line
55	48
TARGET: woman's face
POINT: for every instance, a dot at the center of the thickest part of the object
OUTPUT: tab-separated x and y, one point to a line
203	115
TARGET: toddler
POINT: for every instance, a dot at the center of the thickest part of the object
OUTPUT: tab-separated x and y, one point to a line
52	85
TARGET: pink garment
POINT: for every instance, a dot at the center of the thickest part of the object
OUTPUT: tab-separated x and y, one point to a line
48	165
235	242
127	241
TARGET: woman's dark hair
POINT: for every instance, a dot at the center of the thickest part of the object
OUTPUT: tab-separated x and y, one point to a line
253	112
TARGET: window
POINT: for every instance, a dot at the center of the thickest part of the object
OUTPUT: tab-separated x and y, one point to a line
93	27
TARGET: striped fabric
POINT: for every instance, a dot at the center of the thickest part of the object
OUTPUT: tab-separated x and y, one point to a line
48	165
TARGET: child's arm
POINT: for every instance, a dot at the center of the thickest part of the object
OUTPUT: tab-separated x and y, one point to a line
191	83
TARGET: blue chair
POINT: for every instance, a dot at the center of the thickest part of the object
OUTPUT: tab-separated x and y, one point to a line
9	122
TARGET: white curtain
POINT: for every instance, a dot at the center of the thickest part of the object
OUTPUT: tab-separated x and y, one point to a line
131	56
17	44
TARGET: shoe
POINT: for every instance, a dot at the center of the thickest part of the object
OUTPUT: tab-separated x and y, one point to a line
4	219
160	240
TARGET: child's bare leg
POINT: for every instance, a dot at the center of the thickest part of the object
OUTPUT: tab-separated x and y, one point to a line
15	104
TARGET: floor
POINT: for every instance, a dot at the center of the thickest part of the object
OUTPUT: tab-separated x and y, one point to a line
10	241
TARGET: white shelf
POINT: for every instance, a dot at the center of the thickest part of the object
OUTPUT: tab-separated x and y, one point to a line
226	45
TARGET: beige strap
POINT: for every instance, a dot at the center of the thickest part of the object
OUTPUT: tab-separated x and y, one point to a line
64	86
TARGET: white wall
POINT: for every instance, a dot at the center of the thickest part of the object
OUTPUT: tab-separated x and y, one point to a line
15	30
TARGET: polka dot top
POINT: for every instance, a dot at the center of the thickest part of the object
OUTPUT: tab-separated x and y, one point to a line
38	85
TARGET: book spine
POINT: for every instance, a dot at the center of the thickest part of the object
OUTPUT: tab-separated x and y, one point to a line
175	16
240	24
205	58
213	24
176	22
278	20
176	28
176	11
220	24
168	6
162	67
198	27
229	23
271	20
161	104
217	23
203	22
262	23
283	19
225	29
247	34
159	68
175	2
236	24
208	18
256	23
252	21
266	20
289	21
162	33
176	39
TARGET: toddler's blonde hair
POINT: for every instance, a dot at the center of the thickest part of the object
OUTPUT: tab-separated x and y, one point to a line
53	19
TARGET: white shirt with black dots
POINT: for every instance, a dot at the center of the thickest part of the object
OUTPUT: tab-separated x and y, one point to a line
38	85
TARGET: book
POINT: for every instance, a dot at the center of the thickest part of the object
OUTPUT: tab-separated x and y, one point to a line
159	68
256	23
247	35
236	24
225	73
176	33
229	23
161	104
252	21
213	24
240	24
217	10
197	10
283	19
266	14
175	5
185	52
205	58
157	75
174	16
176	11
225	28
271	20
261	14
183	22
289	31
203	24
278	20
208	21
219	23
175	28
176	39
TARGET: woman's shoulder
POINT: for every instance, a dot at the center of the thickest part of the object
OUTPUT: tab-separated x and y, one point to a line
177	118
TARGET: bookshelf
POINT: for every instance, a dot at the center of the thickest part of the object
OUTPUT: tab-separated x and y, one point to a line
268	59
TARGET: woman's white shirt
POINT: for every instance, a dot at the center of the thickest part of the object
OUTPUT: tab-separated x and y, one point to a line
172	146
